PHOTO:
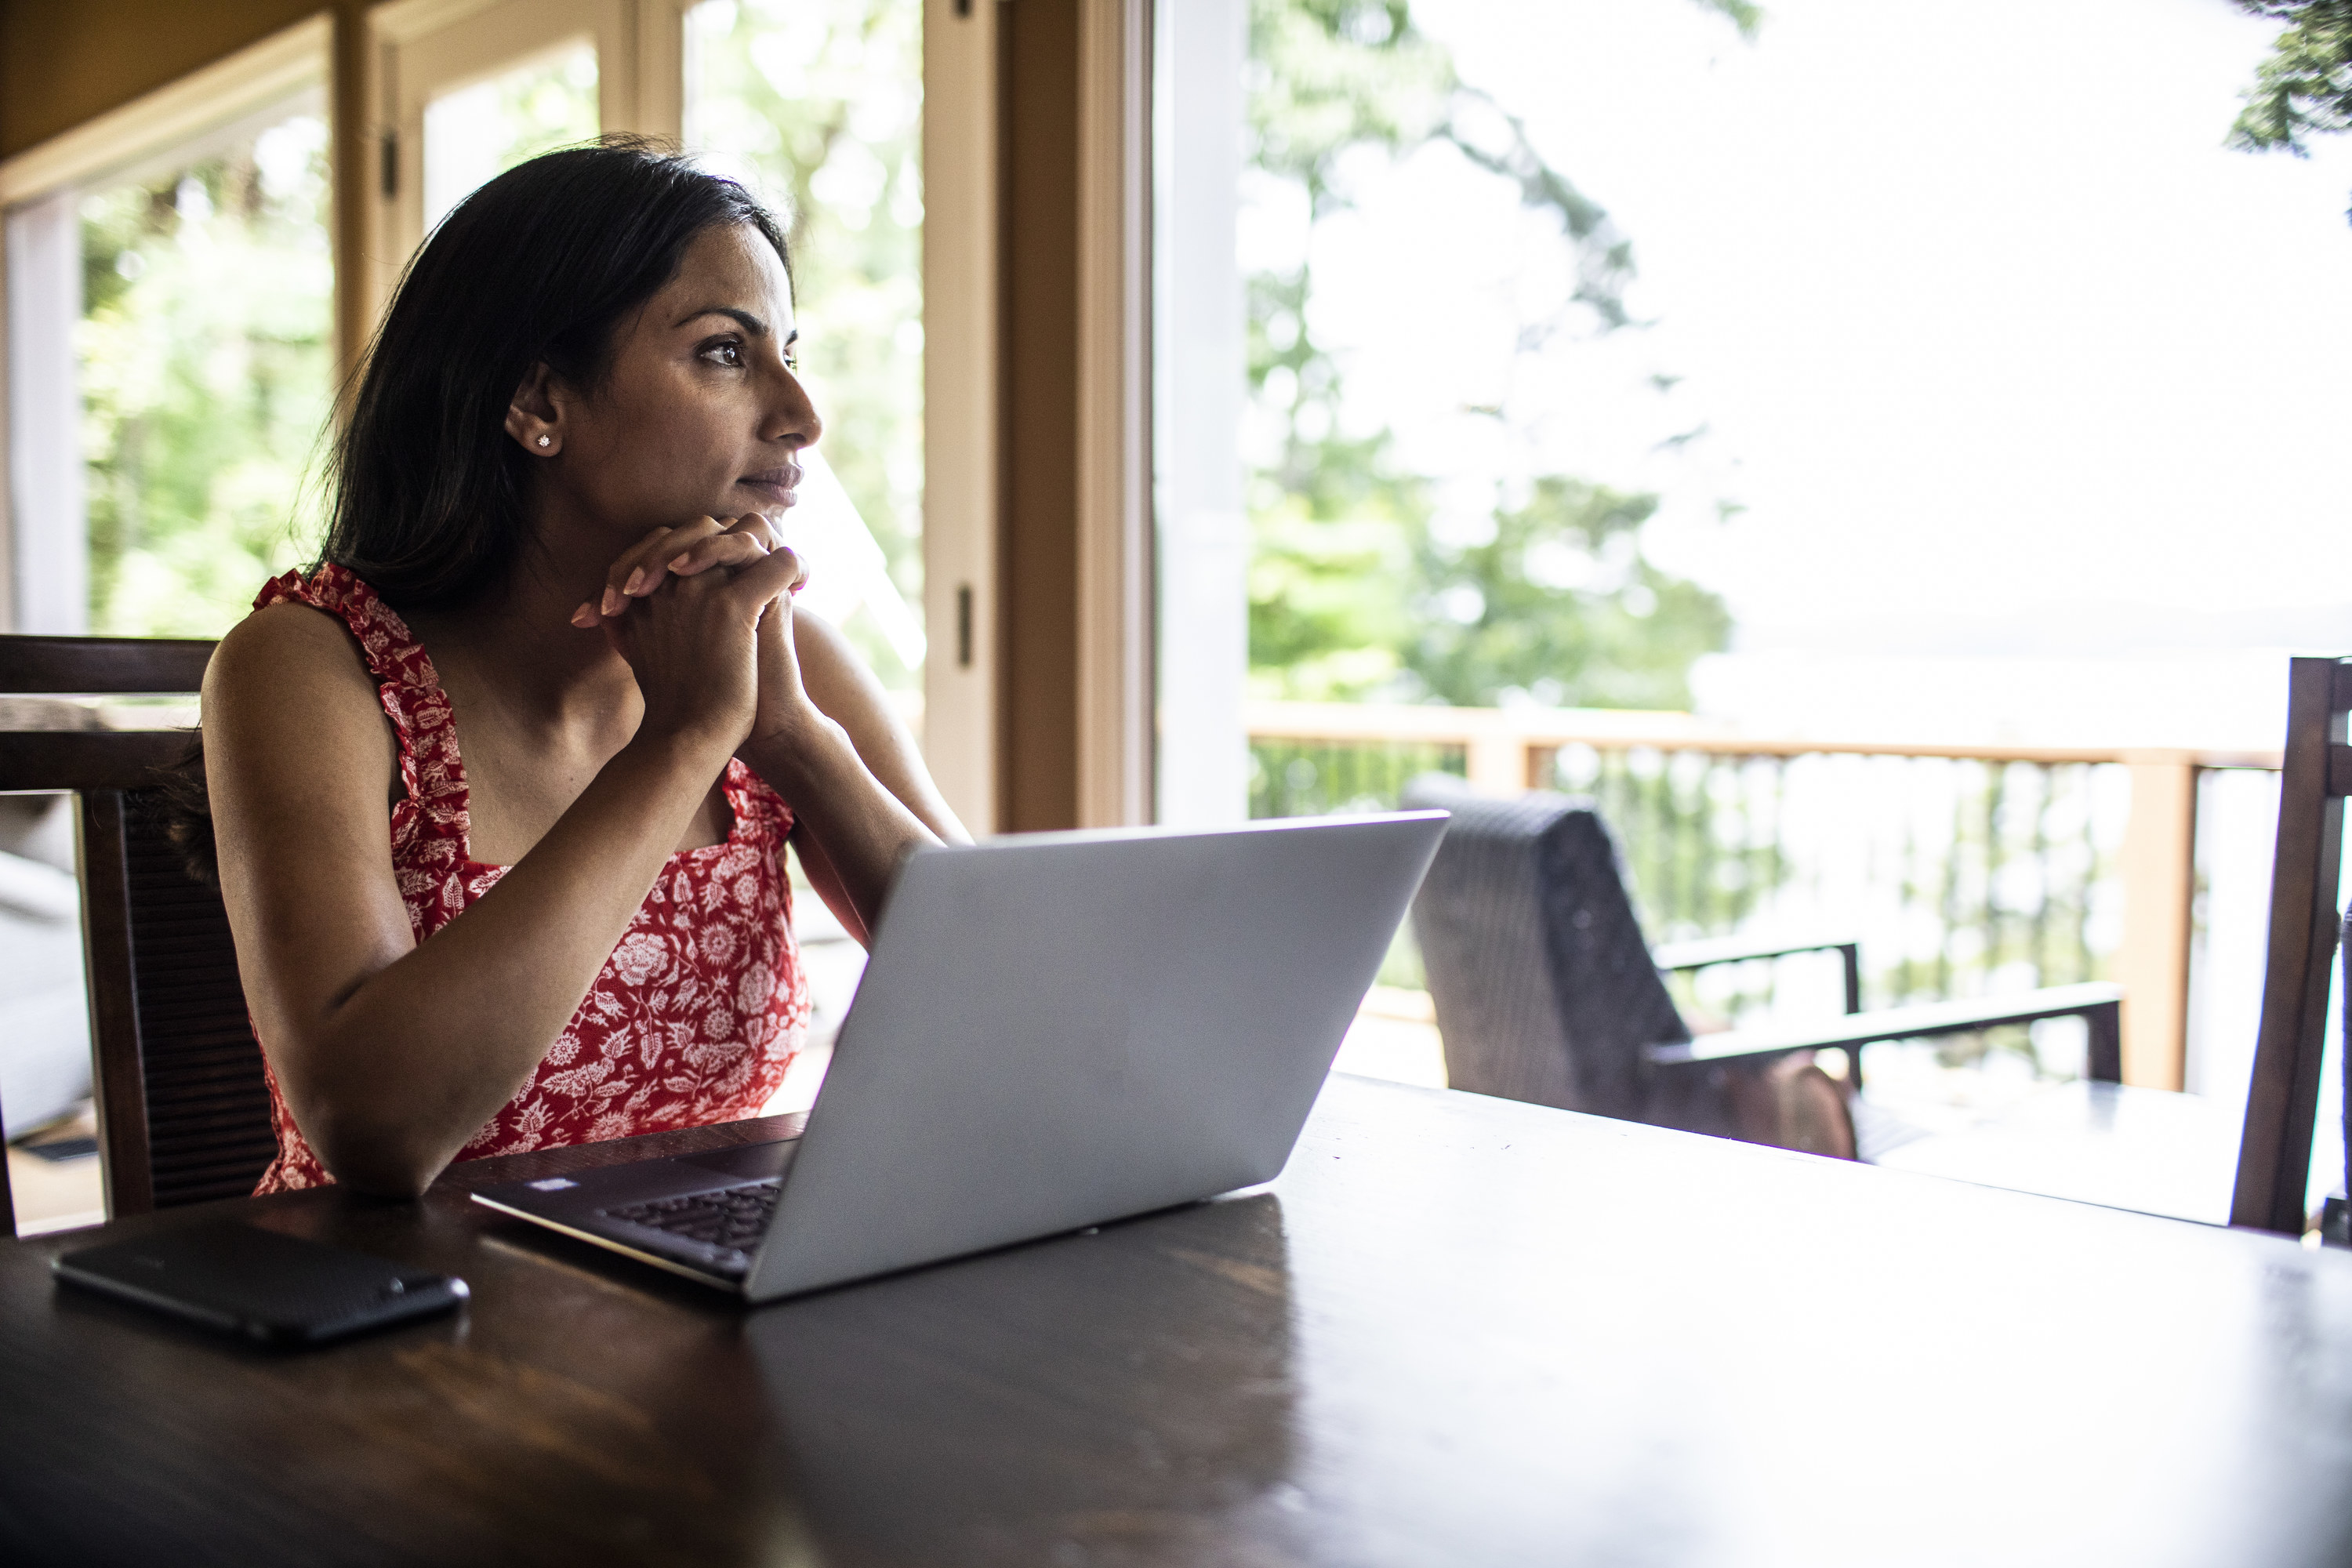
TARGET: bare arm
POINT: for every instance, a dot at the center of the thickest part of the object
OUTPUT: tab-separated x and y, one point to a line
827	738
845	691
846	766
393	1054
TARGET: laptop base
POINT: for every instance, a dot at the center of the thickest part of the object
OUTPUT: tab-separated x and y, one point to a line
583	1207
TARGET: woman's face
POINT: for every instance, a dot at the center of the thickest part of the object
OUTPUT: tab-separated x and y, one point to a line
699	413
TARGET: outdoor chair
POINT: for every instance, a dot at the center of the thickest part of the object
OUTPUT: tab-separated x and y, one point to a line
1546	991
182	1110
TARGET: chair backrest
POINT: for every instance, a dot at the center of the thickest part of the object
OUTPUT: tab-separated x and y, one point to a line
1543	983
182	1108
2283	1099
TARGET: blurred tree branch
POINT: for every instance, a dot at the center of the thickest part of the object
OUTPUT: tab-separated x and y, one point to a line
2305	89
1356	590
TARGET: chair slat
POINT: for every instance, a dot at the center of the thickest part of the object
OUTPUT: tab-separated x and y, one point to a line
209	1132
91	666
2283	1098
184	1108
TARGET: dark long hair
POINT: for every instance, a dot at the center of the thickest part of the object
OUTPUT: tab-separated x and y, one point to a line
541	265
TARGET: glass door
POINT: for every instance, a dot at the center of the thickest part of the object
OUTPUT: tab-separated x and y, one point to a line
476	132
465	92
818	108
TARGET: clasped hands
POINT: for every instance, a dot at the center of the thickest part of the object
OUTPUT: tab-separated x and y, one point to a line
703	615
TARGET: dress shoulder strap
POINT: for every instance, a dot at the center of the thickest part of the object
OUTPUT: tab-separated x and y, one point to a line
432	777
389	646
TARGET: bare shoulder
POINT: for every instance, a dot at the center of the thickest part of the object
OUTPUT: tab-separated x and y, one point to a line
288	687
287	643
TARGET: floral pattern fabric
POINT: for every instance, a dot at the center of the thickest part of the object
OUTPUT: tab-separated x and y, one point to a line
699	1011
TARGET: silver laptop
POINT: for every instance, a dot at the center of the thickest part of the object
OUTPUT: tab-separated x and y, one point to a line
1054	1030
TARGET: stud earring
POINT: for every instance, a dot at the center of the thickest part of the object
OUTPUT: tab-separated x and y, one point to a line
542	440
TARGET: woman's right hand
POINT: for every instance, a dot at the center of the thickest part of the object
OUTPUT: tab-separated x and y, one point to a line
693	641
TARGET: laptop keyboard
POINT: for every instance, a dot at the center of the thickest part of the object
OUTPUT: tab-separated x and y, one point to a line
731	1219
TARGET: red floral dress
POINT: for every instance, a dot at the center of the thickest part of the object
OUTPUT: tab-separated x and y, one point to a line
694	1017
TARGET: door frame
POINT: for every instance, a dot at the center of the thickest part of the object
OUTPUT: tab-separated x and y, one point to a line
412	53
962	388
1114	437
1074	166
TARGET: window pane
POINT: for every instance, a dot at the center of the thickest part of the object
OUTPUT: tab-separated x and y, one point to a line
204	354
818	106
478	132
1916	423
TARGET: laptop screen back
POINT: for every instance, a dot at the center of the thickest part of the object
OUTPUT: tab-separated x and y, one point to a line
1060	1029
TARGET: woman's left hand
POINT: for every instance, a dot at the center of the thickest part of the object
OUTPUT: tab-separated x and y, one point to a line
851	825
784	711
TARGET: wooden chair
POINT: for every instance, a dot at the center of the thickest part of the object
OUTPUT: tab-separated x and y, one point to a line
2282	1099
182	1110
2271	1144
1546	991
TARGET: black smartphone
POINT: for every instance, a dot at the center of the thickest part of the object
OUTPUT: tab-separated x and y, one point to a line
276	1289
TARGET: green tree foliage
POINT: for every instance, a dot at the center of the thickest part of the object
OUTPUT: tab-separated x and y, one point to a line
206	357
1354	593
2305	87
1560	605
1332	533
205	361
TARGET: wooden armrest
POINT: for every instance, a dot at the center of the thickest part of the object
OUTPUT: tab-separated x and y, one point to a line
2099	1003
84	666
71	759
1707	952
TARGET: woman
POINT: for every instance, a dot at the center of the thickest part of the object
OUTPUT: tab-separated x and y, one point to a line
555	538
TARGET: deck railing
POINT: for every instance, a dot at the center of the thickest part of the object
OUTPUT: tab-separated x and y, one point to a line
1965	869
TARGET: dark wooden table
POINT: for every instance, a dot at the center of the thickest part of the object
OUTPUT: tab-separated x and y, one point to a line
1457	1331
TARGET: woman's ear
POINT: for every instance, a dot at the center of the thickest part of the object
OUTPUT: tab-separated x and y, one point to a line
535	417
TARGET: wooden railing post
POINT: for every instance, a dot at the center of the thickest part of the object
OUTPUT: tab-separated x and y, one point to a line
2159	878
1507	750
1498	758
